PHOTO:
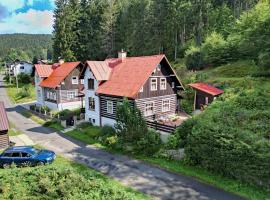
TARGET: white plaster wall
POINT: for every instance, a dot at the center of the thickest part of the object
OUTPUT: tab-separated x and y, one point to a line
28	68
40	100
89	114
70	105
107	121
52	106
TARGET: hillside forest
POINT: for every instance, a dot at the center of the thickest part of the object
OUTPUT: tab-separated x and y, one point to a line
26	47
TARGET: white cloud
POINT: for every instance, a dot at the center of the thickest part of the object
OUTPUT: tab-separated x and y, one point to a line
33	21
12	5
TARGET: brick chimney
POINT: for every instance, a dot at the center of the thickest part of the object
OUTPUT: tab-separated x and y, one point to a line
122	54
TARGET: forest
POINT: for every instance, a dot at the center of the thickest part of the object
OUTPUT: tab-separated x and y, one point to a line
25	47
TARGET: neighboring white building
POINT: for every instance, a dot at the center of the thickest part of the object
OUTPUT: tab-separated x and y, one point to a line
22	67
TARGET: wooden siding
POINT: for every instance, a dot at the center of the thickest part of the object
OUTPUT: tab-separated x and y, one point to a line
140	103
68	80
165	72
4	139
200	99
115	100
63	96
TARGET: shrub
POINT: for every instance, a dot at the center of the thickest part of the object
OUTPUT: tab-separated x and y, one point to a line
24	92
264	59
24	78
172	142
232	138
194	59
149	144
107	130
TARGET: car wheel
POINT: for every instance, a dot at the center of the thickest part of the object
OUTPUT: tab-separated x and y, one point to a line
26	164
40	163
6	165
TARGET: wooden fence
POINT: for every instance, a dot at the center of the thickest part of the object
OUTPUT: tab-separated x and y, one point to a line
161	127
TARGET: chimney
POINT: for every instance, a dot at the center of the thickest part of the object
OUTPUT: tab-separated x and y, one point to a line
122	55
61	61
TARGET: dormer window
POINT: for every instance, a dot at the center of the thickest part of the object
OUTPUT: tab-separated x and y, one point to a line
163	84
74	80
153	84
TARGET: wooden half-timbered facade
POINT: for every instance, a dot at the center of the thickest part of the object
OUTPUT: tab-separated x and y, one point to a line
148	82
4	126
60	89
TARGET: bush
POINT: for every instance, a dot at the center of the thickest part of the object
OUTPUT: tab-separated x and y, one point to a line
264	60
232	138
149	144
107	131
24	92
24	78
194	59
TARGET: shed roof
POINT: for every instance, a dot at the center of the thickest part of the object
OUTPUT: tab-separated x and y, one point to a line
3	117
206	88
59	74
43	71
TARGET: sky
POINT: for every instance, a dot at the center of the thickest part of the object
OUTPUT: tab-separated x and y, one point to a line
26	16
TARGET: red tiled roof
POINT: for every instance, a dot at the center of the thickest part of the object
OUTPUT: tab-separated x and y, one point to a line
43	71
128	76
100	69
59	74
3	118
206	88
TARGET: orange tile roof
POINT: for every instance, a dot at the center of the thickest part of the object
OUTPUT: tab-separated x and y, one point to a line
43	71
59	74
100	69
206	88
128	76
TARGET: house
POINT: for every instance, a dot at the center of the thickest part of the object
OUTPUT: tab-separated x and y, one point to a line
17	67
149	82
57	85
204	94
4	139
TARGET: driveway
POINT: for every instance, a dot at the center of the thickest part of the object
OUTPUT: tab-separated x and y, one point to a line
153	181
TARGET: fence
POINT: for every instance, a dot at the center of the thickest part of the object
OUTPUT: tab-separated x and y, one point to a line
161	127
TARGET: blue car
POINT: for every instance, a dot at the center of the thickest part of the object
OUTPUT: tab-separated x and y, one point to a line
26	156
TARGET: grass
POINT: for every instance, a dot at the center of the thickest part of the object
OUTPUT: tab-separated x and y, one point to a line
13	131
15	98
63	179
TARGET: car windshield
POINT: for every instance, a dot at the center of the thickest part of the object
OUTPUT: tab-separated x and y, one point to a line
34	151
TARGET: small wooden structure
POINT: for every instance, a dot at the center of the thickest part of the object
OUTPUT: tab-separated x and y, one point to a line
4	139
204	94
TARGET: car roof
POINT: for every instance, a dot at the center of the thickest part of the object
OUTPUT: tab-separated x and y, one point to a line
27	149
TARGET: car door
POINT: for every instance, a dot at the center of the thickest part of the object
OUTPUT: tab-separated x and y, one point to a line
6	159
26	159
16	158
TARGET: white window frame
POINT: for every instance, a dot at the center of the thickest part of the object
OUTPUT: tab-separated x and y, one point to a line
110	107
173	84
147	109
74	80
39	93
73	96
141	90
206	100
166	102
151	88
82	81
91	109
163	87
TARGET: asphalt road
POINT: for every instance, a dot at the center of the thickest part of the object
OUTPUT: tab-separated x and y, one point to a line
153	181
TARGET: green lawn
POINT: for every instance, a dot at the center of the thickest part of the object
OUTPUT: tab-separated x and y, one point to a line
16	98
13	131
62	180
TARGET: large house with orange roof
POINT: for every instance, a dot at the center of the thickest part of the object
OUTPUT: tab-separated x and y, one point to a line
58	85
149	82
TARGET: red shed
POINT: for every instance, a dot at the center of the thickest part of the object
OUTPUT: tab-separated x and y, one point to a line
4	139
205	94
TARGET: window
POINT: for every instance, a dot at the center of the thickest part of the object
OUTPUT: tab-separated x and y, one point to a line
153	84
63	82
110	107
21	67
165	105
206	101
141	90
74	80
39	93
82	81
54	96
91	103
16	154
149	109
26	155
71	95
7	155
173	84
90	84
48	95
163	83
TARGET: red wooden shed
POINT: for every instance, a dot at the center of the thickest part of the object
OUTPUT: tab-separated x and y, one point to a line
4	139
204	94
